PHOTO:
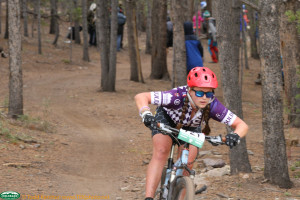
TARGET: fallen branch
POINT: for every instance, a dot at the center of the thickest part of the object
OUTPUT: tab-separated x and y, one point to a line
17	164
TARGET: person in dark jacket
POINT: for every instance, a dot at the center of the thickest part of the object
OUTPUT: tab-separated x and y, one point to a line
169	33
121	23
194	49
91	18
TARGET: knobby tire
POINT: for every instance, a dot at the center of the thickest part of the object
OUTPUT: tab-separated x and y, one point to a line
184	184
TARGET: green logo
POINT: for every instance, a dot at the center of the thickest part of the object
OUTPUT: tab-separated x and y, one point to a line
10	195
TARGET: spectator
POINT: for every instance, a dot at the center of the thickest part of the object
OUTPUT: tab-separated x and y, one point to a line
212	39
169	33
91	18
206	15
194	49
197	22
121	23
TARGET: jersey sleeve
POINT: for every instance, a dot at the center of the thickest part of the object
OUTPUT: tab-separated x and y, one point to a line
220	113
170	99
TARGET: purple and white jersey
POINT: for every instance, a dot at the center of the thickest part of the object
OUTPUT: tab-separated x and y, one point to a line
172	102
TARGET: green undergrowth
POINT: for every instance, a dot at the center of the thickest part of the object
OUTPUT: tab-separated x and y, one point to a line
21	129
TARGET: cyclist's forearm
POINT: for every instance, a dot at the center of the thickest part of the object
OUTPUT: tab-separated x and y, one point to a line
240	127
142	100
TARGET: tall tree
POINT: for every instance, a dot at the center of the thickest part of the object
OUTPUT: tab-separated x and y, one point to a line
15	77
135	61
53	18
55	22
39	27
108	46
113	46
148	27
159	40
0	16
25	18
6	22
276	166
104	41
140	15
76	16
290	46
179	16
228	28
85	31
253	33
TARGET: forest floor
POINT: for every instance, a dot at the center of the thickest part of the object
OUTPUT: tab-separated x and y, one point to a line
76	142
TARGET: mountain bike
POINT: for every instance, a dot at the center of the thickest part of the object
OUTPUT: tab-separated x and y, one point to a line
174	185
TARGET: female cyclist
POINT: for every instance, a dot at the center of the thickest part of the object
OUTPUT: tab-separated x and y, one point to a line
184	107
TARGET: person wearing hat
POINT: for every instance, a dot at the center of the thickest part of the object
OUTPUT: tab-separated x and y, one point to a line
187	107
91	18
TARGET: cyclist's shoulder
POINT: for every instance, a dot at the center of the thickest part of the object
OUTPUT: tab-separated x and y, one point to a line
217	106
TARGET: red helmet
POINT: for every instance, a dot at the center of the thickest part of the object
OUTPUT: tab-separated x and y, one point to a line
202	77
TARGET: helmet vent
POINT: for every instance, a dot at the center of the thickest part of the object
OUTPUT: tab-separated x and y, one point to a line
196	74
205	77
213	75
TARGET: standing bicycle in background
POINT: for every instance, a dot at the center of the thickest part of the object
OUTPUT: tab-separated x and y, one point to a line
184	107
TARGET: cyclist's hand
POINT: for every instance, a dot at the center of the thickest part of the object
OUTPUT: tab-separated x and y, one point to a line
149	120
232	139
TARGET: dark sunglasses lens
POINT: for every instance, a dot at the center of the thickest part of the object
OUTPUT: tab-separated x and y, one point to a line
209	94
199	93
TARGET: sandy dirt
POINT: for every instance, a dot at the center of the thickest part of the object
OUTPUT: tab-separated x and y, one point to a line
79	141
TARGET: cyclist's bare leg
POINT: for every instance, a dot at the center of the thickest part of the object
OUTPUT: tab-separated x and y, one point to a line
161	148
192	156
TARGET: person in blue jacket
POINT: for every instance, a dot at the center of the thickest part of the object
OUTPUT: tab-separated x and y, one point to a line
194	49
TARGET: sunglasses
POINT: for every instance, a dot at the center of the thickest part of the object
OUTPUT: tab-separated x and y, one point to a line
201	94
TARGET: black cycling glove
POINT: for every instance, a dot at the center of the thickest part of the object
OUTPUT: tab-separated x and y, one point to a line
149	120
232	139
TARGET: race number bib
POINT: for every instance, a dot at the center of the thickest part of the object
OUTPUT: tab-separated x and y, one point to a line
196	139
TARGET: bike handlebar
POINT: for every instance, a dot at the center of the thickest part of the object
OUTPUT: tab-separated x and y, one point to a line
214	140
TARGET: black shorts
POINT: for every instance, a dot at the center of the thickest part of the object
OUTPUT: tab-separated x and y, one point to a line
162	116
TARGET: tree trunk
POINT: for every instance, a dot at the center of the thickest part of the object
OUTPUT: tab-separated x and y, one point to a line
276	166
15	66
25	16
290	46
130	7
159	41
148	27
53	16
39	27
190	10
179	11
113	47
140	16
209	7
228	25
6	20
56	23
104	38
0	16
85	31
76	18
253	33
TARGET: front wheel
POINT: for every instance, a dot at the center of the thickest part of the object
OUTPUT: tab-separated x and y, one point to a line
183	189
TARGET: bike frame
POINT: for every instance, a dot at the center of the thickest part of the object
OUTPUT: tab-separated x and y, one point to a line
175	170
